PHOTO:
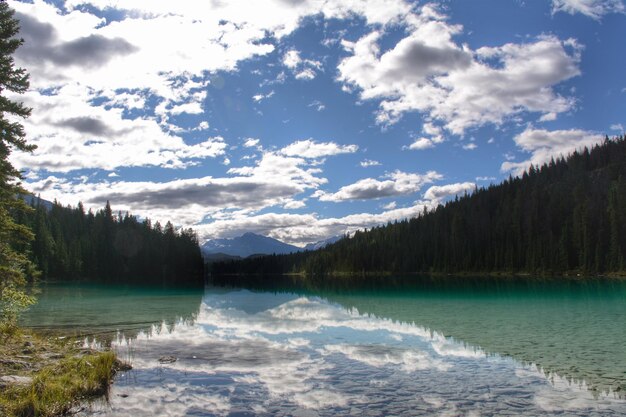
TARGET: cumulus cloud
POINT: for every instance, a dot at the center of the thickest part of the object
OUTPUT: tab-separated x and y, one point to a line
292	59
186	202
545	144
282	168
440	192
294	205
43	47
145	61
398	183
273	180
251	143
86	124
210	193
70	134
311	149
595	9
428	72
421	144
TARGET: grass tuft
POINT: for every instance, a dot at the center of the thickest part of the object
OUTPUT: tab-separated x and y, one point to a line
60	384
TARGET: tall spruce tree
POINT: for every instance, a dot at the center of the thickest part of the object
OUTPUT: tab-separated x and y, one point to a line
15	266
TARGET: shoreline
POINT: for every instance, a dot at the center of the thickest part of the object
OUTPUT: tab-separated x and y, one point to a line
569	275
47	375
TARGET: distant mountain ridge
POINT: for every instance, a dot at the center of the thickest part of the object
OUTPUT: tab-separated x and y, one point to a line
33	200
250	244
246	245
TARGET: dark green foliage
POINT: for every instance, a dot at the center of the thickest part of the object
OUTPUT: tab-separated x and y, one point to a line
71	244
566	216
15	266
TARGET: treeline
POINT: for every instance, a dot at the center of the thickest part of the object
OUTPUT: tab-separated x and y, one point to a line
567	216
72	244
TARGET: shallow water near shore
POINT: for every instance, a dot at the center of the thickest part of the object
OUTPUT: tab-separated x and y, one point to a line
429	347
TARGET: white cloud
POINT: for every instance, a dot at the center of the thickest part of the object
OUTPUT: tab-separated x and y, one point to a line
470	146
185	202
545	144
260	97
127	100
305	74
189	108
283	169
145	61
251	143
311	149
300	229
390	206
273	180
398	183
369	163
428	72
204	125
548	117
71	134
421	144
618	127
294	204
595	9
303	69
440	192
189	201
292	59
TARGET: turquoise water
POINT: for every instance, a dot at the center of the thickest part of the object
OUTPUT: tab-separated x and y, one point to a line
467	348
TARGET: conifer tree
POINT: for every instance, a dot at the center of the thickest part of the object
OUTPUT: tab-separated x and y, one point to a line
15	266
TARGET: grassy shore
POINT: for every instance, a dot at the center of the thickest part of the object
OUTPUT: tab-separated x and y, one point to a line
48	376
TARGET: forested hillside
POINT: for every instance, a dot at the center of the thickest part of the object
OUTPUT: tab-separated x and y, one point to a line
71	244
567	216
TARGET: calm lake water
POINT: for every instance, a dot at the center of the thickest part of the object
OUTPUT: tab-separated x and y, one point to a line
424	347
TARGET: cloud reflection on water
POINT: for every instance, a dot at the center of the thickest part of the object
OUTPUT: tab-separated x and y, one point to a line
268	354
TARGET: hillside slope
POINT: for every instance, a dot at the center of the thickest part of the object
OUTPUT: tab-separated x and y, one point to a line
568	215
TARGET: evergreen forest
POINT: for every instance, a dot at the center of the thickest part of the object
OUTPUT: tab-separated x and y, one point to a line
71	244
567	216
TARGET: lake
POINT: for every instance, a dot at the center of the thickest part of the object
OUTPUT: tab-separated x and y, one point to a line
404	347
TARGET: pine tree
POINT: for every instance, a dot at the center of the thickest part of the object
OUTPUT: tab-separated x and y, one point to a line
15	265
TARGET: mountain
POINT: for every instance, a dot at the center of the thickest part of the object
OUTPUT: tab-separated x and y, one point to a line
567	216
246	245
32	200
322	243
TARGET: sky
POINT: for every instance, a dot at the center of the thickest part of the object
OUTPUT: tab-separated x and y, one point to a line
306	119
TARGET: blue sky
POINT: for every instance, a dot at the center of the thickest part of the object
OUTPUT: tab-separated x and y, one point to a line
303	119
